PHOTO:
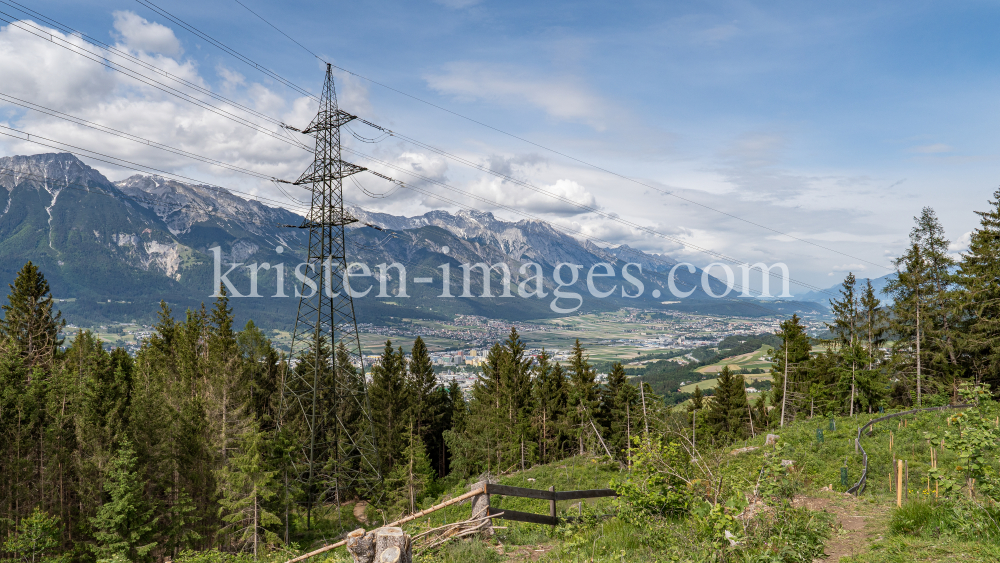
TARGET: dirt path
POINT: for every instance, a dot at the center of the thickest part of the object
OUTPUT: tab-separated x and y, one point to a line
858	522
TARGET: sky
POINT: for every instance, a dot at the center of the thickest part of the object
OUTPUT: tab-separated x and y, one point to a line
803	133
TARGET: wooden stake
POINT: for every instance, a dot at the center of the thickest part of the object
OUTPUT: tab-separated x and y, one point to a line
899	483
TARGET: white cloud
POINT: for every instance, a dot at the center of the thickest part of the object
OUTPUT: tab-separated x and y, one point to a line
935	148
562	98
46	74
849	268
39	70
958	247
141	35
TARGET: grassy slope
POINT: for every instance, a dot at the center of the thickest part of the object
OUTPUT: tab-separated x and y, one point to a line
816	466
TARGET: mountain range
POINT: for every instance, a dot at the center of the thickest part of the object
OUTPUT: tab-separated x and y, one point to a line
113	250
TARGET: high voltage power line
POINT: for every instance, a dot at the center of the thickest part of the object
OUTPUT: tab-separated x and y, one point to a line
543	147
425	178
411	140
428	147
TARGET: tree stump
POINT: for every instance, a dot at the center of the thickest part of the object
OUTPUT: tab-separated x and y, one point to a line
361	546
481	507
387	538
390	555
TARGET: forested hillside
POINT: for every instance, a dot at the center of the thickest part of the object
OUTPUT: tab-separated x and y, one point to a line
182	449
179	448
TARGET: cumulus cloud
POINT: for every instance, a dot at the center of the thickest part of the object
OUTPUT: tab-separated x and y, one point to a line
960	246
141	35
562	98
43	72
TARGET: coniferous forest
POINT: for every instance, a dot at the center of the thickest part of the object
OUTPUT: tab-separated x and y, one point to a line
105	456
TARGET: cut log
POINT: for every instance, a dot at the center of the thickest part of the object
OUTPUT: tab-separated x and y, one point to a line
361	546
390	555
386	538
481	507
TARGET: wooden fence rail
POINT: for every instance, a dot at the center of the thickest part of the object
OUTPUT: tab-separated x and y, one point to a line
550	495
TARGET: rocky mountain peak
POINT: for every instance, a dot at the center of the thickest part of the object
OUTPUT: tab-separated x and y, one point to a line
44	171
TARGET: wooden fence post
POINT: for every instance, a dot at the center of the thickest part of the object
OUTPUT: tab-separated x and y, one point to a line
552	505
481	506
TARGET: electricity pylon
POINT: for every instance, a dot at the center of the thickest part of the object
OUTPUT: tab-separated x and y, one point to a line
324	400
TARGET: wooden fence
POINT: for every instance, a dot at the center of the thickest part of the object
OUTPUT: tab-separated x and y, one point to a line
550	495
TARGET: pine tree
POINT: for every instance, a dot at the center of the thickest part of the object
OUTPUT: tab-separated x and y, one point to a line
123	526
30	319
247	486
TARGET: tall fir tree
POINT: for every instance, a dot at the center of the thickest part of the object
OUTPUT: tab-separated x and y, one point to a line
923	312
790	357
550	398
390	402
31	321
583	399
124	525
428	404
978	278
248	485
728	415
619	400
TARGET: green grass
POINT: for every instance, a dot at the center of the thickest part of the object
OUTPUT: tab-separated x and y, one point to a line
923	530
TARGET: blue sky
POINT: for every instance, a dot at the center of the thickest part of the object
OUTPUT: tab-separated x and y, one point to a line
833	122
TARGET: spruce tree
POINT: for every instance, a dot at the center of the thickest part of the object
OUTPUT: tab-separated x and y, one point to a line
791	356
979	279
618	402
36	539
728	413
549	394
124	525
390	403
845	331
411	478
30	318
261	394
923	311
247	486
583	401
425	408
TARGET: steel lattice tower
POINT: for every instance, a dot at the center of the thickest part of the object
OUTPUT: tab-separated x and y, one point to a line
322	400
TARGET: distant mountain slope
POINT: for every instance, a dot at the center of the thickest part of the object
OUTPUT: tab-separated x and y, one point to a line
878	284
112	251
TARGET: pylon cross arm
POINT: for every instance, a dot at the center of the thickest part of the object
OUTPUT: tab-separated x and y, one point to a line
340	119
313	176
